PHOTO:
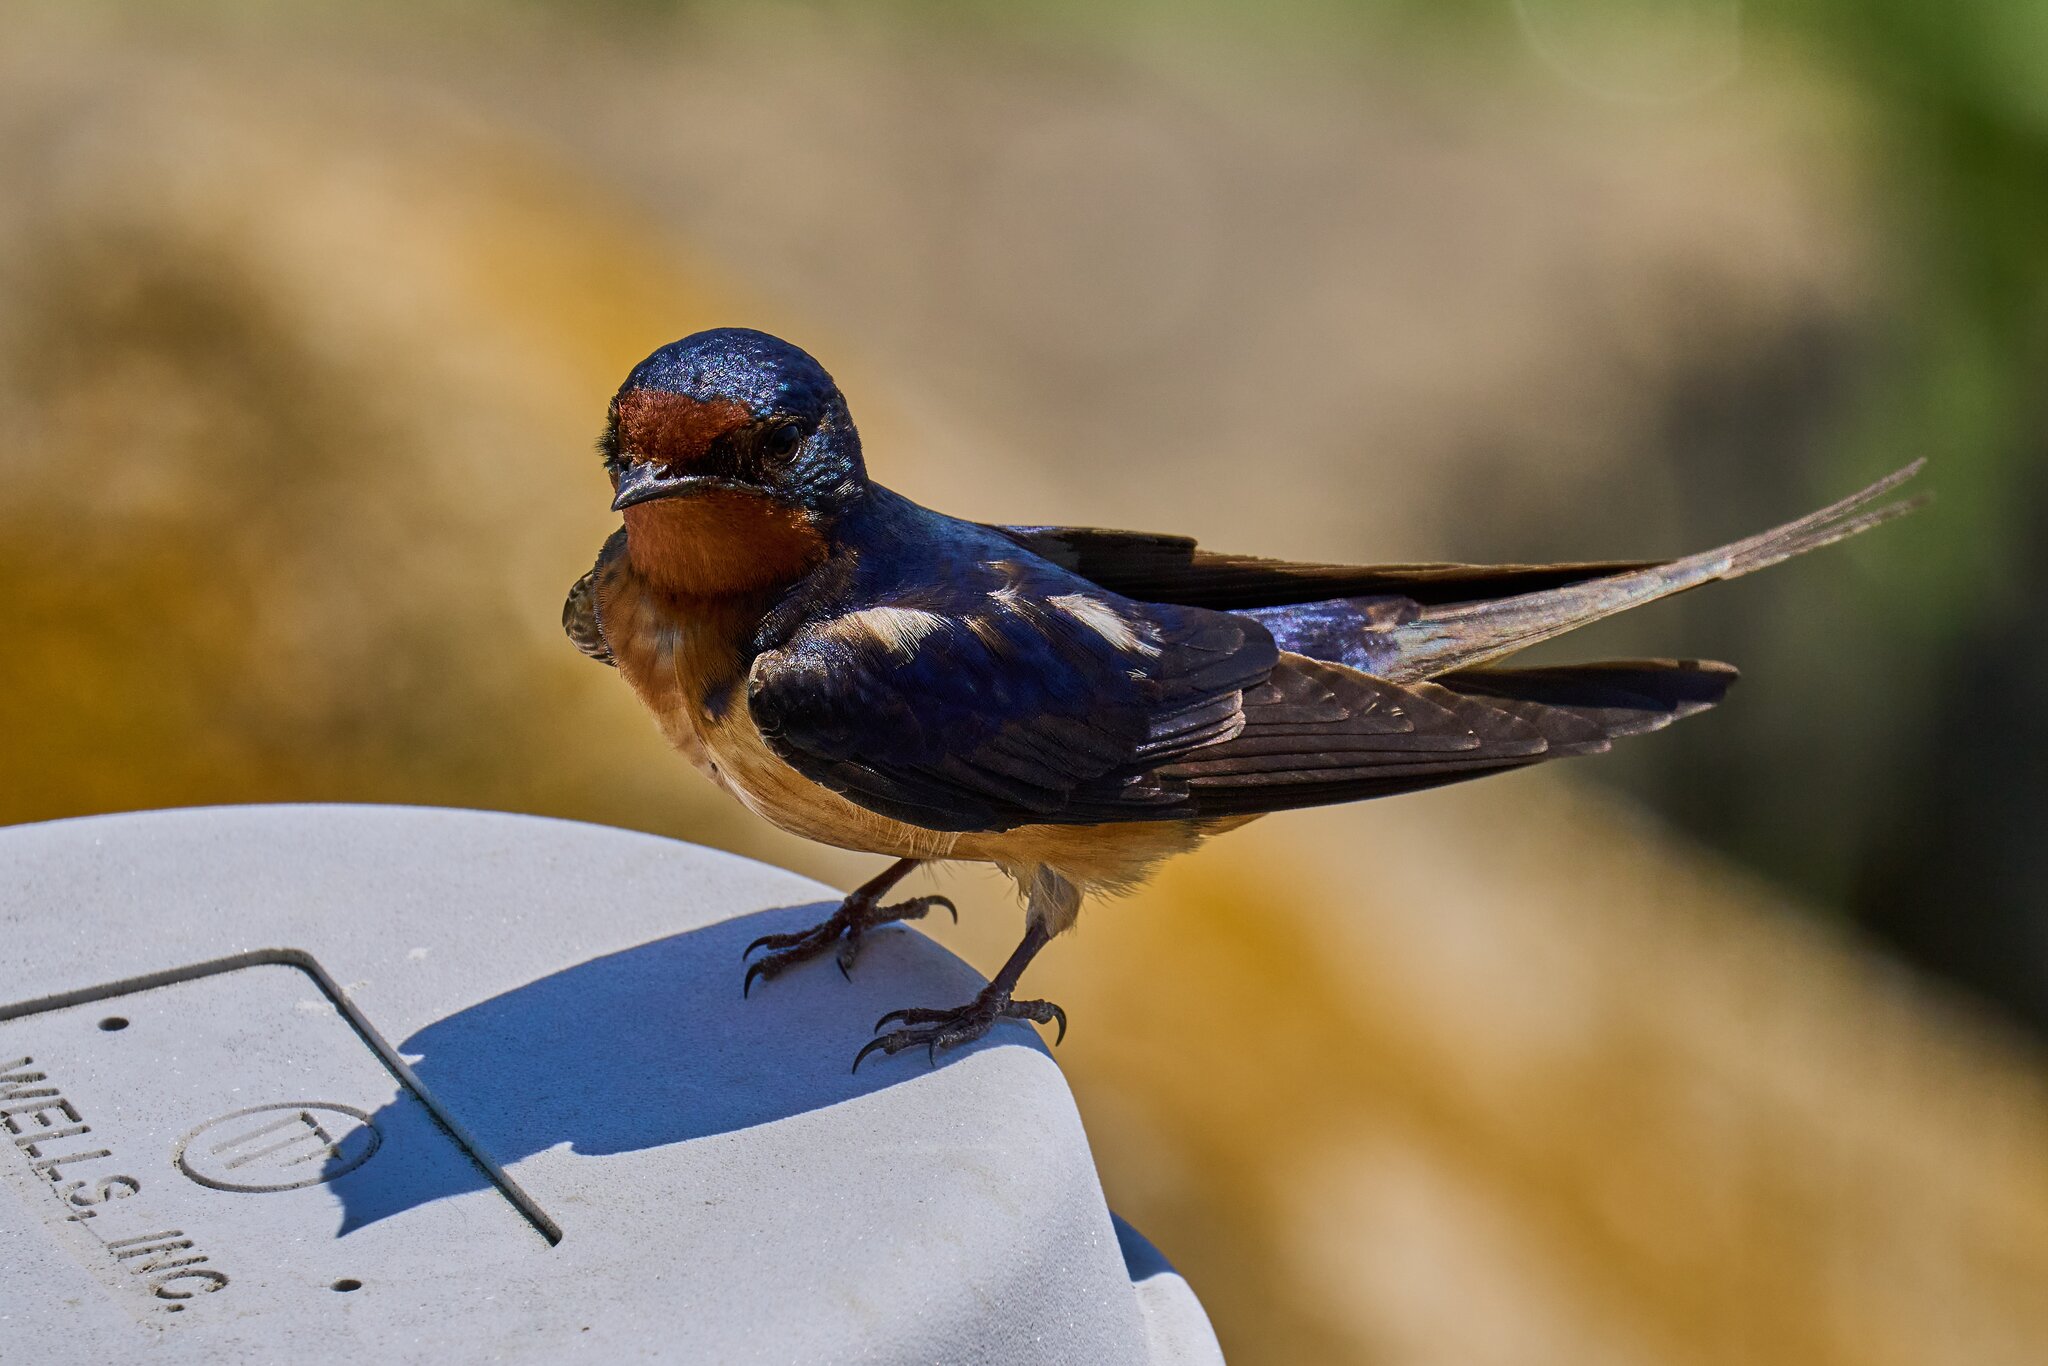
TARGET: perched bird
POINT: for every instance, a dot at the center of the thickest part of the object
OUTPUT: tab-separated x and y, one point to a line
1070	704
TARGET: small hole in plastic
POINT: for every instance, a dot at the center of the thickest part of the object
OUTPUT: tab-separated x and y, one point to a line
113	1022
346	1284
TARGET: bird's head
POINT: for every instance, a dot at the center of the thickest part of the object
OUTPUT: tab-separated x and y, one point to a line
730	453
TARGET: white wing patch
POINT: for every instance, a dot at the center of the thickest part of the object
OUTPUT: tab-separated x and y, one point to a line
895	628
1099	617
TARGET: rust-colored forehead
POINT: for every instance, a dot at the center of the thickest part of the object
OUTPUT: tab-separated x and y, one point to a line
675	428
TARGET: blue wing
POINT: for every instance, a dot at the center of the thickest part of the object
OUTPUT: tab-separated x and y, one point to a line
1073	708
975	710
955	684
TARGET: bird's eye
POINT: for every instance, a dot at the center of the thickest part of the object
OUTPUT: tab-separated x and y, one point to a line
783	439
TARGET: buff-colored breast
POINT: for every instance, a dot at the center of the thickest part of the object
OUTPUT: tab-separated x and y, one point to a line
681	656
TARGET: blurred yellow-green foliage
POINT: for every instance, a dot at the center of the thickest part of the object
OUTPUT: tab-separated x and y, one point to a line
307	319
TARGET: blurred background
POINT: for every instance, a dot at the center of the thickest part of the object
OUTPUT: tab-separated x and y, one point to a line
1725	1048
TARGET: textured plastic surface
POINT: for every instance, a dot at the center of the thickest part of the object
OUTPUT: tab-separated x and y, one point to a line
298	1082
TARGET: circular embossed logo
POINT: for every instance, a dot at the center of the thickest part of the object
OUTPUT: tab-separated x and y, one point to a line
277	1147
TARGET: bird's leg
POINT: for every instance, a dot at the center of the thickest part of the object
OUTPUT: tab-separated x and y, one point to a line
935	1029
861	911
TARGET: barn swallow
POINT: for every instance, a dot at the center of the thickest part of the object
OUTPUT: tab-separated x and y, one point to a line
1071	704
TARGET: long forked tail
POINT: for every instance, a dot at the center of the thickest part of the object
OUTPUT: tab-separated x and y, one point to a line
1459	636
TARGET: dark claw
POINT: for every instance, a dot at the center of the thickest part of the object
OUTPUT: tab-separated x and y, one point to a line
792	939
1040	1012
917	1015
849	950
844	926
937	1029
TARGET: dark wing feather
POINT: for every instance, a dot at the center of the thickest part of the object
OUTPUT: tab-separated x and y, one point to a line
1322	733
987	722
1621	696
1318	733
1004	711
1154	567
579	621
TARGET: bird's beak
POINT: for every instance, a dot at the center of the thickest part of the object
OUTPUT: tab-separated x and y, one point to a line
643	483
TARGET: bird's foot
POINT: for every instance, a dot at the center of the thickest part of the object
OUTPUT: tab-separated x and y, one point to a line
932	1030
844	927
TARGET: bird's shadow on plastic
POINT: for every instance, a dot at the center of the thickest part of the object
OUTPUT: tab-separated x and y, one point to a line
650	1046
